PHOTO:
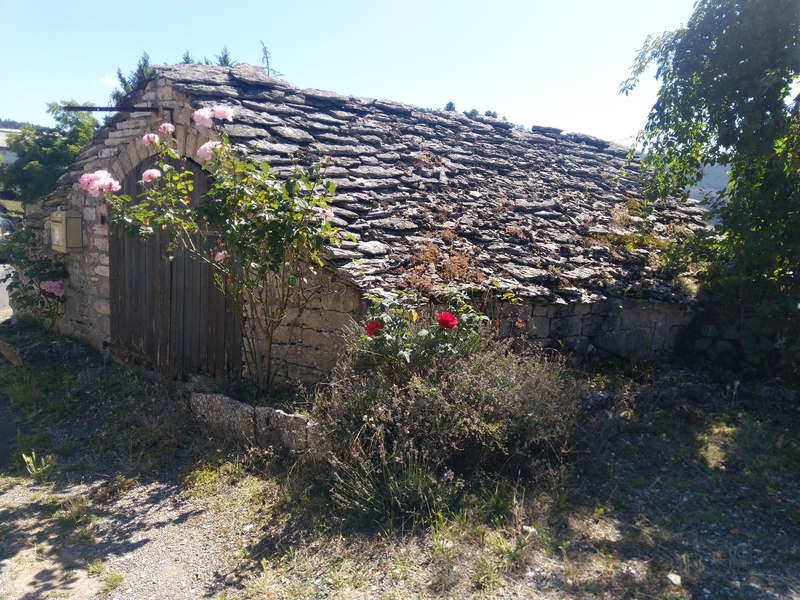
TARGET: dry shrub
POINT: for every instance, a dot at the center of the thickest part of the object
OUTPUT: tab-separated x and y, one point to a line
427	252
399	446
455	268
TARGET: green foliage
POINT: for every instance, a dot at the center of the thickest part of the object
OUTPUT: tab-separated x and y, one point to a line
12	124
264	236
35	285
490	113
43	153
725	83
224	58
404	347
39	470
450	107
754	335
472	113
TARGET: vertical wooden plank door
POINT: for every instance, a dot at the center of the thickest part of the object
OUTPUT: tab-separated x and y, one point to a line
168	315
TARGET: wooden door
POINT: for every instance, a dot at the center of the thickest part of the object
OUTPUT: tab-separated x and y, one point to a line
168	315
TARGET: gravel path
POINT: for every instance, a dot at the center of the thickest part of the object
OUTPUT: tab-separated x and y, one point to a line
166	544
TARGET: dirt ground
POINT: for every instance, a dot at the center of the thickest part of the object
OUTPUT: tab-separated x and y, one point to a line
676	489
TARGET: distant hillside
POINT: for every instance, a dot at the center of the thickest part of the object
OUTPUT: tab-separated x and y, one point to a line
11	124
715	179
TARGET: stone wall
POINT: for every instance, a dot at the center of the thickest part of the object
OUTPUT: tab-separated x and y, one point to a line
308	346
611	326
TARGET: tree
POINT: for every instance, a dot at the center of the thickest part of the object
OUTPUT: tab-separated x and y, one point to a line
450	107
127	84
43	153
224	58
472	113
265	58
490	113
724	99
12	124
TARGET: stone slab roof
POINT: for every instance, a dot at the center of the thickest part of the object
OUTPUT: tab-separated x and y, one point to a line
436	197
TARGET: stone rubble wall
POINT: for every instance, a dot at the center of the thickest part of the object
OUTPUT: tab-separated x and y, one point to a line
262	426
613	326
310	342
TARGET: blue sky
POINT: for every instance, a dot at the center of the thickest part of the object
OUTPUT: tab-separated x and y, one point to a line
544	62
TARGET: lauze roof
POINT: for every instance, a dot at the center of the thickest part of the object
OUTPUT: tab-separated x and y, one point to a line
438	198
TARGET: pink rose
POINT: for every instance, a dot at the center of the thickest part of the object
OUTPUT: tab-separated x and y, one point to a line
223	113
149	138
206	152
167	128
99	182
204	117
220	256
53	287
151	174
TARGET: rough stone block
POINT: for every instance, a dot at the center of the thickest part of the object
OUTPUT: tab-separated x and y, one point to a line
286	334
592	324
342	300
559	328
224	417
577	345
320	320
290	433
538	327
540	310
322	360
102	307
305	374
582	309
323	340
522	310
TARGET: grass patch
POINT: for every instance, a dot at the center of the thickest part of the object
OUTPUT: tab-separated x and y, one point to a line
111	581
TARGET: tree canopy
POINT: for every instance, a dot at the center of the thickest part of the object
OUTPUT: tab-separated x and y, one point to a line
726	79
44	153
724	99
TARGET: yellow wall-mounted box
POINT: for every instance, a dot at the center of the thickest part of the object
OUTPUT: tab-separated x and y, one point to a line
66	231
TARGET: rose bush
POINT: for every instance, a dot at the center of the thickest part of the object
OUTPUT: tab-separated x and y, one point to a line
268	233
400	343
425	399
35	284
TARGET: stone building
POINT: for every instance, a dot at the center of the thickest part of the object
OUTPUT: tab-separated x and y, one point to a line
432	198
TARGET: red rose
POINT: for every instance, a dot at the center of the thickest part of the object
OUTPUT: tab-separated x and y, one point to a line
446	320
374	328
